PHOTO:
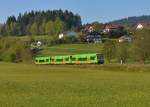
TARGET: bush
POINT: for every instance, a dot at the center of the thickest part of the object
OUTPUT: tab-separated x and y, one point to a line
141	45
122	52
13	57
14	50
109	50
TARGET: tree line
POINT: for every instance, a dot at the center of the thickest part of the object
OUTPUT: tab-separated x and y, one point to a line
40	23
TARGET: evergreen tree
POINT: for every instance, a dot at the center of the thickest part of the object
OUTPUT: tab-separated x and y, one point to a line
64	20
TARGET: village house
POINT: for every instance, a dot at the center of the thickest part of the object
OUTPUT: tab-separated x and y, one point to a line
88	28
143	25
93	37
112	27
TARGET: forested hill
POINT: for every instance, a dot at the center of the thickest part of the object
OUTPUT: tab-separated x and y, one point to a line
132	21
36	22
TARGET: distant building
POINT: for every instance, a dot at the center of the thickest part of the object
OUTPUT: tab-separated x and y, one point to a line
125	38
112	27
143	25
91	29
88	28
68	34
93	37
61	36
39	43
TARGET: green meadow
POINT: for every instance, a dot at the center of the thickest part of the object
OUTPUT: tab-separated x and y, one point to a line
29	85
66	49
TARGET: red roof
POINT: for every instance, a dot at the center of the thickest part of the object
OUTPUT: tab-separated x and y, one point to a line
146	24
113	26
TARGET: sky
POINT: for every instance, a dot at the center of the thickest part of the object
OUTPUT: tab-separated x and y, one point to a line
89	10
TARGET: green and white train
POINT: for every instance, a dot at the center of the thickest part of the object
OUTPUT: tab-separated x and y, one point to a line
71	59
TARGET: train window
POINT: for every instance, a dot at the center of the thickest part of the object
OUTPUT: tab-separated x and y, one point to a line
67	59
92	58
41	60
82	59
59	60
47	60
73	59
100	56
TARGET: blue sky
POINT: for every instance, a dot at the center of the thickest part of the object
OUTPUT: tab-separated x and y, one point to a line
90	10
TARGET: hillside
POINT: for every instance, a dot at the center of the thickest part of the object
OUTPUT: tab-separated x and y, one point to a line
132	21
63	49
71	49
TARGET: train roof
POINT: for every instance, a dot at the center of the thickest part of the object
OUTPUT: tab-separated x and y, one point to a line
87	54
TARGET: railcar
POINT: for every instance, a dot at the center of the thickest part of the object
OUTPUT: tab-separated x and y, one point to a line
42	60
71	59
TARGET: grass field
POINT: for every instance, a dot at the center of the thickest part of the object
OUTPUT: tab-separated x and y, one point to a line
72	49
36	37
27	85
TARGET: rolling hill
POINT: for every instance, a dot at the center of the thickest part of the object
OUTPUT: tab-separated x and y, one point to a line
132	21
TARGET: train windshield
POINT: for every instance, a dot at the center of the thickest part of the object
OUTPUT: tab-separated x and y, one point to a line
100	58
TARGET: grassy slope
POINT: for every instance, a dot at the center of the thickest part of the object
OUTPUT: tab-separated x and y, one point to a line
72	49
25	85
27	38
66	48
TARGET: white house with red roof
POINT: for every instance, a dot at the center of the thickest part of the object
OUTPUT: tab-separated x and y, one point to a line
143	25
